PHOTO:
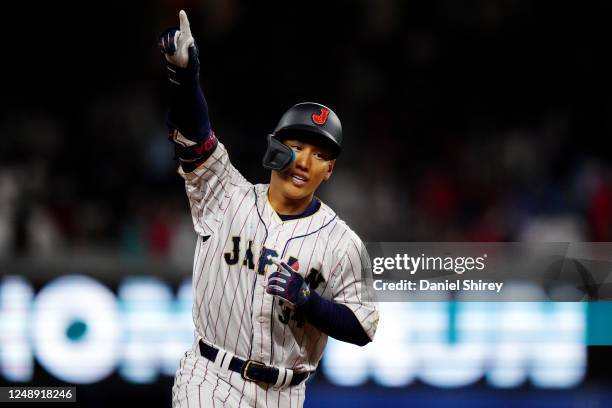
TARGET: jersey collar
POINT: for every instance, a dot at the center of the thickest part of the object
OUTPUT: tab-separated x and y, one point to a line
313	208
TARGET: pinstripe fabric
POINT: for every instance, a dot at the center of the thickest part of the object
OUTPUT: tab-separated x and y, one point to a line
231	309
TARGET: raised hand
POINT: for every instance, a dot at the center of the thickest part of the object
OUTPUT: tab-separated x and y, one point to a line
177	44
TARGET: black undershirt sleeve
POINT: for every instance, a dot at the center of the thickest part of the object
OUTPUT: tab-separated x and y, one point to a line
188	108
335	320
188	120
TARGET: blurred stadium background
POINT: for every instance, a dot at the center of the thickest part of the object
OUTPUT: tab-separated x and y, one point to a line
487	121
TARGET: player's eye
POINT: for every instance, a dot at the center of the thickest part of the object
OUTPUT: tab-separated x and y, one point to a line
320	156
295	147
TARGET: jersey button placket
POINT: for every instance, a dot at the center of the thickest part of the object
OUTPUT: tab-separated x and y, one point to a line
264	322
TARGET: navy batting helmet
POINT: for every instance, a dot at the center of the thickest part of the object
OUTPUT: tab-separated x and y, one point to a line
308	119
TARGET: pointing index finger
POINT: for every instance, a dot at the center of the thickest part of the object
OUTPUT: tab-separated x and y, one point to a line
184	24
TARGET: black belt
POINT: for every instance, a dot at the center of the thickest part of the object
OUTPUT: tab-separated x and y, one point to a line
251	370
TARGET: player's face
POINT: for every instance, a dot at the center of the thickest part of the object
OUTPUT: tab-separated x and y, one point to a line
312	165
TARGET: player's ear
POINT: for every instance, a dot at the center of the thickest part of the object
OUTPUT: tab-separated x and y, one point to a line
330	169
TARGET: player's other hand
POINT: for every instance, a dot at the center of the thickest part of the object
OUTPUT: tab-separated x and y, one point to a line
178	44
287	284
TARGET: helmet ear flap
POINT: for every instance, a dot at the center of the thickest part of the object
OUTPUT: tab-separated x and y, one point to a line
278	156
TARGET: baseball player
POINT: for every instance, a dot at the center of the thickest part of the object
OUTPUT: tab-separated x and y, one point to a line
276	271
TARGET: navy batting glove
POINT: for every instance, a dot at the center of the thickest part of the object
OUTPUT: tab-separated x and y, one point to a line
180	52
287	284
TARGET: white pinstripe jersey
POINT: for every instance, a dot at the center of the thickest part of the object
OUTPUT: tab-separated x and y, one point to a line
231	308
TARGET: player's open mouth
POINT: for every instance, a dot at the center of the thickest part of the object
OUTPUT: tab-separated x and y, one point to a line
298	181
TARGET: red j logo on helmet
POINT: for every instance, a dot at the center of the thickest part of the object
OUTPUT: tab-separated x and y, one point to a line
321	118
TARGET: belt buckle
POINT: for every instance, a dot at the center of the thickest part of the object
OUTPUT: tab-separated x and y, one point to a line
246	367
